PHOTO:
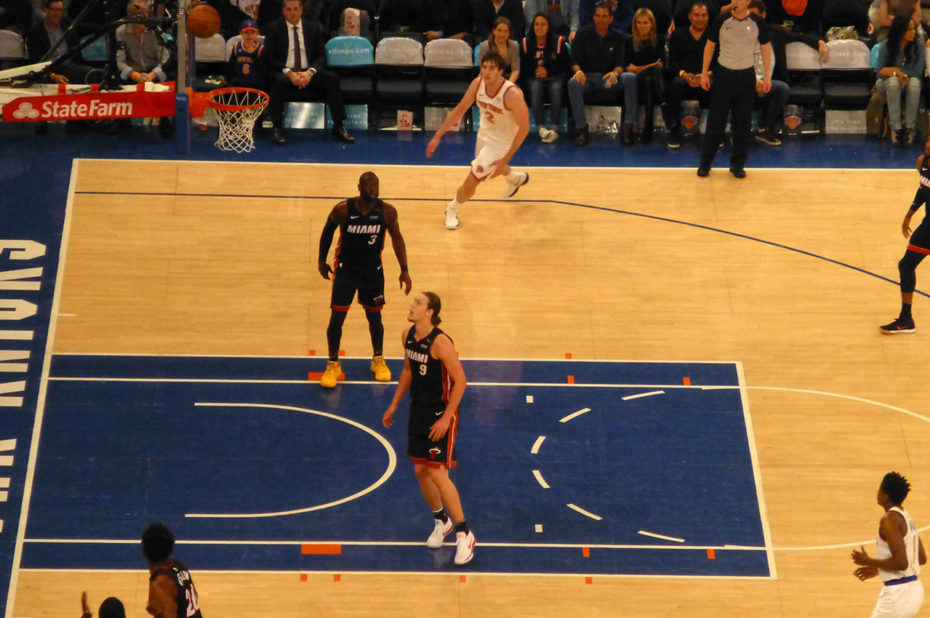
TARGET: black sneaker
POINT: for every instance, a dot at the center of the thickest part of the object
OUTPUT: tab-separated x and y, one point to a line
674	139
703	172
898	326
738	172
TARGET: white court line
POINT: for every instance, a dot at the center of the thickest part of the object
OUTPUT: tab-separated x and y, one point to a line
584	512
43	391
540	479
375	382
392	460
536	445
649	394
574	414
660	536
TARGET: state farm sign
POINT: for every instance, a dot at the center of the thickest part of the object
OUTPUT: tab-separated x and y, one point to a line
91	106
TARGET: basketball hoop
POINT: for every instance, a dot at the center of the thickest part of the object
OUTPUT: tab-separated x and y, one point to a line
237	109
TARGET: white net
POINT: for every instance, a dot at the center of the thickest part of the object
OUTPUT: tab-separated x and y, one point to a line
237	109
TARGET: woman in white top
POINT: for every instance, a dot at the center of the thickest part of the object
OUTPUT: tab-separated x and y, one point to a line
501	42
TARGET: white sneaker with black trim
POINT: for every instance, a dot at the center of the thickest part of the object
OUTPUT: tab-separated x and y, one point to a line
440	532
512	187
464	547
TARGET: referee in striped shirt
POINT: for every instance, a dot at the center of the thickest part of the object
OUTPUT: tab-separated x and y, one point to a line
737	33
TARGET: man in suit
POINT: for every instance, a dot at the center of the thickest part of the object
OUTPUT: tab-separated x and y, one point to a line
296	60
46	33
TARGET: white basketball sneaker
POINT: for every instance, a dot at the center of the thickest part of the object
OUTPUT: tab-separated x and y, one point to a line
452	217
440	532
464	547
511	188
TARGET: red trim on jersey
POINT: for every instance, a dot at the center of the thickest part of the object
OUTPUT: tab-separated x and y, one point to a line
433	464
917	249
504	82
341	308
472	172
504	98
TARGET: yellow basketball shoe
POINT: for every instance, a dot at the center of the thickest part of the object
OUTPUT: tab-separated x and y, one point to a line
380	369
331	375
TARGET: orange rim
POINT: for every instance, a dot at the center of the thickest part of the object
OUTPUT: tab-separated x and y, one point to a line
226	107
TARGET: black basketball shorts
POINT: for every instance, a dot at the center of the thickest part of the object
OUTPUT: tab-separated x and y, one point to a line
420	448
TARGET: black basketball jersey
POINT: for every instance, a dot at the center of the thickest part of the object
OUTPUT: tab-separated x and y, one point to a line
188	605
925	172
361	238
430	384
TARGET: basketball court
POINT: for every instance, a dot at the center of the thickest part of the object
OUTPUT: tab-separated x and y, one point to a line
679	402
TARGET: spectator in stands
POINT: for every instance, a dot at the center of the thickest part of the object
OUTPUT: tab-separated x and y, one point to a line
295	62
451	19
336	19
642	80
142	53
487	11
597	63
882	12
801	16
622	11
500	41
16	15
845	13
901	63
685	55
661	11
774	101
545	66
682	10
46	34
245	67
404	18
563	16
270	11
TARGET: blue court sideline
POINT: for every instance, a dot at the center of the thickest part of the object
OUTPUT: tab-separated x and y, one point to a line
565	467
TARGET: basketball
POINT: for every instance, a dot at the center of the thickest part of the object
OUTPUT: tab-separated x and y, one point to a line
202	20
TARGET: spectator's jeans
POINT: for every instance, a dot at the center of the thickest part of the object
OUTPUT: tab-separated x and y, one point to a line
576	93
538	88
891	88
775	100
630	97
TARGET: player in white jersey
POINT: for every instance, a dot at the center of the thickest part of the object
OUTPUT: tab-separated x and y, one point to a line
505	122
898	556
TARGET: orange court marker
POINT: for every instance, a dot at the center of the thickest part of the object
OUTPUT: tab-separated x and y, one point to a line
568	355
311	352
303	577
586	552
329	549
710	554
462	579
687	381
589	580
342	352
571	379
337	577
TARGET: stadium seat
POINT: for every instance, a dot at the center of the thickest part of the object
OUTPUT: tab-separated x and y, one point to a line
399	73
209	62
352	58
448	70
848	75
12	49
804	70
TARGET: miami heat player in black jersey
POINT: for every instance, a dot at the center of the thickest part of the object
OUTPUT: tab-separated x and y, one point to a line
917	249
185	598
434	376
171	588
362	222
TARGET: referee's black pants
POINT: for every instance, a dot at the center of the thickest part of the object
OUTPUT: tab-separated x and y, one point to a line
732	91
323	87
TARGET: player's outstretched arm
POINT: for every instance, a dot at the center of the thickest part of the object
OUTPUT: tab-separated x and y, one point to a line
336	217
454	116
400	248
403	385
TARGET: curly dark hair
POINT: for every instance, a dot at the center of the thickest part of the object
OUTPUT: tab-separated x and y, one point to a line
157	543
895	487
